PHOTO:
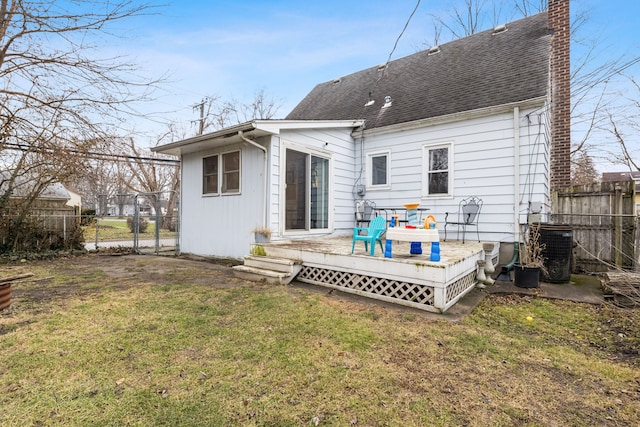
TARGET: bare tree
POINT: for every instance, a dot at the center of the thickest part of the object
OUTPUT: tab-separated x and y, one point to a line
624	127
103	179
217	114
583	170
530	7
593	95
467	18
57	100
153	179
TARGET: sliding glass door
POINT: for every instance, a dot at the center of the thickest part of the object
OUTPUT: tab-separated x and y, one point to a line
306	191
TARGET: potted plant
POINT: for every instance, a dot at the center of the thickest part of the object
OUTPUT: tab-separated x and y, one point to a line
262	235
527	272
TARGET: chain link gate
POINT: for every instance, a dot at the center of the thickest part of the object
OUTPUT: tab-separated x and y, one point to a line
148	223
164	236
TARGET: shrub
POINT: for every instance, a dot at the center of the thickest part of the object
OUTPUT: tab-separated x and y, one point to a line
88	217
33	234
142	224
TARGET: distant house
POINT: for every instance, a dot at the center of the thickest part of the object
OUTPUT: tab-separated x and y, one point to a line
486	116
75	200
126	206
626	176
49	209
53	199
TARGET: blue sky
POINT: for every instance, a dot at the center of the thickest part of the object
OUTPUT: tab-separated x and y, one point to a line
232	49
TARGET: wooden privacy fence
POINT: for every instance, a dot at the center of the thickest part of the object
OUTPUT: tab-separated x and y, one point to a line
49	224
606	232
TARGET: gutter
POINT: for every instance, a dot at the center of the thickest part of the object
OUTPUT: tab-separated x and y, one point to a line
516	173
264	193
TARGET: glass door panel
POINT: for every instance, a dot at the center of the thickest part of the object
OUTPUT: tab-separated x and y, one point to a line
296	190
319	193
306	191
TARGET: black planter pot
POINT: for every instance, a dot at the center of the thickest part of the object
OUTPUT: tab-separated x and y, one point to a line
526	277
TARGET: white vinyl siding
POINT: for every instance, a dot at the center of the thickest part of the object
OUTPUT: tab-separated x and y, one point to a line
337	145
221	225
482	165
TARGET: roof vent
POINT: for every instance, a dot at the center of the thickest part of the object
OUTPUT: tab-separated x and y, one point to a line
433	50
382	67
387	102
370	102
336	81
500	29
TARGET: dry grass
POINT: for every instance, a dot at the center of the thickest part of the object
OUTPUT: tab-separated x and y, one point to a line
115	229
147	341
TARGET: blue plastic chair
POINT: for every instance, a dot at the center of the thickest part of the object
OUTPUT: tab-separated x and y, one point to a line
377	227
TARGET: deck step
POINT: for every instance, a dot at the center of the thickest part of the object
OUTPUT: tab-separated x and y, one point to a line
270	263
274	270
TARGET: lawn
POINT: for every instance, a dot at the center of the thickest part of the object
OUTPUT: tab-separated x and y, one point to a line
116	229
141	341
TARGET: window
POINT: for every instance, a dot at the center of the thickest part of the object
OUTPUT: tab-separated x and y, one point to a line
210	175
231	172
221	174
378	170
438	161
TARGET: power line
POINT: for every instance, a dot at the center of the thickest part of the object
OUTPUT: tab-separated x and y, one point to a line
395	45
402	32
375	85
92	155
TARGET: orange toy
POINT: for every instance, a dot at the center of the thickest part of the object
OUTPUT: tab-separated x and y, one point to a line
430	220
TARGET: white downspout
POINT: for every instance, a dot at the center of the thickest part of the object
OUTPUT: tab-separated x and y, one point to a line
516	172
264	194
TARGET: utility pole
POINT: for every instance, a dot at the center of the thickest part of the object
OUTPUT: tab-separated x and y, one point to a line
200	121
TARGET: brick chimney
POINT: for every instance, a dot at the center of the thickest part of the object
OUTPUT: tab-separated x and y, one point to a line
560	69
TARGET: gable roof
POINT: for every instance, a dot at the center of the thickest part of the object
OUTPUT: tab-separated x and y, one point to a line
623	176
24	184
482	70
620	176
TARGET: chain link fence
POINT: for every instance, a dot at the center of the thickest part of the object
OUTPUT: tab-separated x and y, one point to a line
76	232
143	235
144	222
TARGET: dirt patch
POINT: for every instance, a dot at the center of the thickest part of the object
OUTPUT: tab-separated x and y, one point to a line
114	271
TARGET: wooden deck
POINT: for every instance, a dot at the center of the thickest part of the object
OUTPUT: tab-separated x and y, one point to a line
410	280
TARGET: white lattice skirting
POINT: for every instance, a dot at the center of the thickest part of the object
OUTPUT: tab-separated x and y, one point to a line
412	294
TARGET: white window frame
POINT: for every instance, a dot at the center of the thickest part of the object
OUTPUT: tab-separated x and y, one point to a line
425	170
221	173
370	156
217	190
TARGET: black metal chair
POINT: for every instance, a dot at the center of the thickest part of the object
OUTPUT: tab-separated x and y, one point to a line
468	214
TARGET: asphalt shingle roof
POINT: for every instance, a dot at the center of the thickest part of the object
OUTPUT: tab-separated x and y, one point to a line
478	71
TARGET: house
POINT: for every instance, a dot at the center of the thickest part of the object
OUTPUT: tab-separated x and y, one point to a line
50	221
53	198
486	115
75	200
626	176
124	205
